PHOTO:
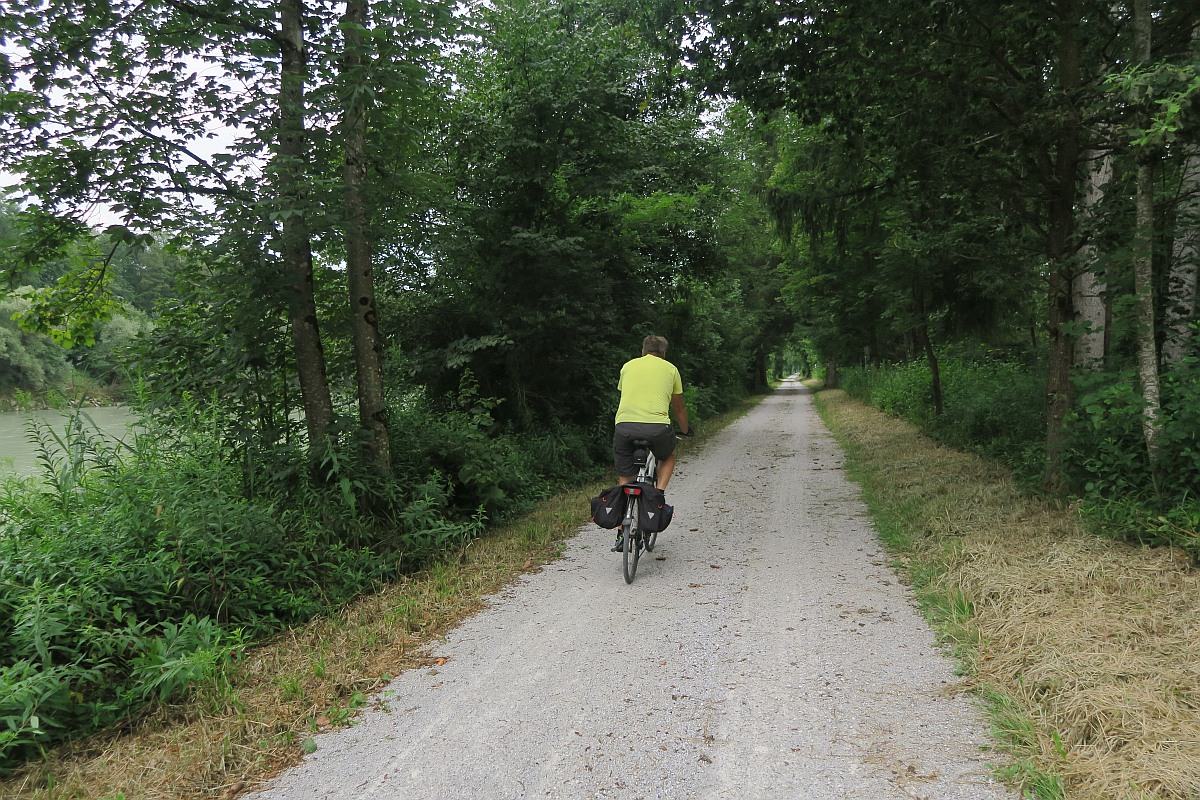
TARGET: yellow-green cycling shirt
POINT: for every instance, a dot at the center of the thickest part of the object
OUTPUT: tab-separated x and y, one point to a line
646	386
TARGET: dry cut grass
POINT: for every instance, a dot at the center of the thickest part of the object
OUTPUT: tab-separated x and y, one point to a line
1088	650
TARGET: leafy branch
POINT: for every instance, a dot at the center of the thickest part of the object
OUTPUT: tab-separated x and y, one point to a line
1172	89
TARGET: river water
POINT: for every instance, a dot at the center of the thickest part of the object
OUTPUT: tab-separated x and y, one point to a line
19	455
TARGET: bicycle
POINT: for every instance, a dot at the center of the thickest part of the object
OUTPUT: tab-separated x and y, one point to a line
633	538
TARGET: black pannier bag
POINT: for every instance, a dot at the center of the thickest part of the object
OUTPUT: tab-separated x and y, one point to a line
608	510
654	515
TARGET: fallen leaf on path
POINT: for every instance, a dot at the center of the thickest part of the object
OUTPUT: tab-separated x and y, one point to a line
322	721
715	566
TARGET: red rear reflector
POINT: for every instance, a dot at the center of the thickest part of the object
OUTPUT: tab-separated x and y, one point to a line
633	490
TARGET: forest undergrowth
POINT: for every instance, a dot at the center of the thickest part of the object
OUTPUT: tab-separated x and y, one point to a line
1085	649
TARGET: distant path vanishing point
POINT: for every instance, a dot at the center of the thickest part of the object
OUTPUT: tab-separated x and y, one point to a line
766	650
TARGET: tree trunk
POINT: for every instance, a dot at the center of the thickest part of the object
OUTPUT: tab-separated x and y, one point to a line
1143	246
922	333
1088	289
1059	239
290	164
364	322
761	377
1185	258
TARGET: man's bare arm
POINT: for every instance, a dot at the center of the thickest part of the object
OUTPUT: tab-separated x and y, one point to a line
680	413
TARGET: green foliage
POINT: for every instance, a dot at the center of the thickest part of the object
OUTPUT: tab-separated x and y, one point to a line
70	311
28	361
1108	452
132	570
71	320
464	458
1124	493
183	654
587	212
1146	522
992	406
1170	90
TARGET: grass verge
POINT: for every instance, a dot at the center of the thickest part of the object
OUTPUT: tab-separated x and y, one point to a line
1085	651
261	715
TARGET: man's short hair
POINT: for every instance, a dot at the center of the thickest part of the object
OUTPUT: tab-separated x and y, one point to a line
654	344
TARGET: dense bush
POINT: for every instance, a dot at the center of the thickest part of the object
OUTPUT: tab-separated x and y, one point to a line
486	465
28	361
128	572
1123	492
990	406
995	407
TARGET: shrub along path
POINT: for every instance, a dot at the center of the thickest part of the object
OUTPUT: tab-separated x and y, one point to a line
766	649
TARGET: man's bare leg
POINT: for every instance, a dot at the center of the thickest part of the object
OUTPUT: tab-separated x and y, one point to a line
665	468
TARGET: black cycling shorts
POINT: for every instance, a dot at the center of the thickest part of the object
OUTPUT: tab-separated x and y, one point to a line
660	435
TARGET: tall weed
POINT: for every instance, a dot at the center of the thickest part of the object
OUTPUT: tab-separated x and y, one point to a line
124	577
132	570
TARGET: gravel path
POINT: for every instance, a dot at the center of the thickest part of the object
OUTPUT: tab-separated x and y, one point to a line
765	650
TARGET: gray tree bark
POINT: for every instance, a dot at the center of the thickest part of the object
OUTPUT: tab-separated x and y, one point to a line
1143	268
1059	242
290	165
364	321
1088	288
1185	259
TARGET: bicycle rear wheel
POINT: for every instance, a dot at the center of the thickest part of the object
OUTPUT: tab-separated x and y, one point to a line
630	549
651	477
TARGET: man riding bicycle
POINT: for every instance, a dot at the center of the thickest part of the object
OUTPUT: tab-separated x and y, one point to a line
650	388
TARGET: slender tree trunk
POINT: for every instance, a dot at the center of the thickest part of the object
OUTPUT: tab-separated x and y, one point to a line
1143	267
364	322
1088	288
1059	241
1185	259
922	333
291	164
